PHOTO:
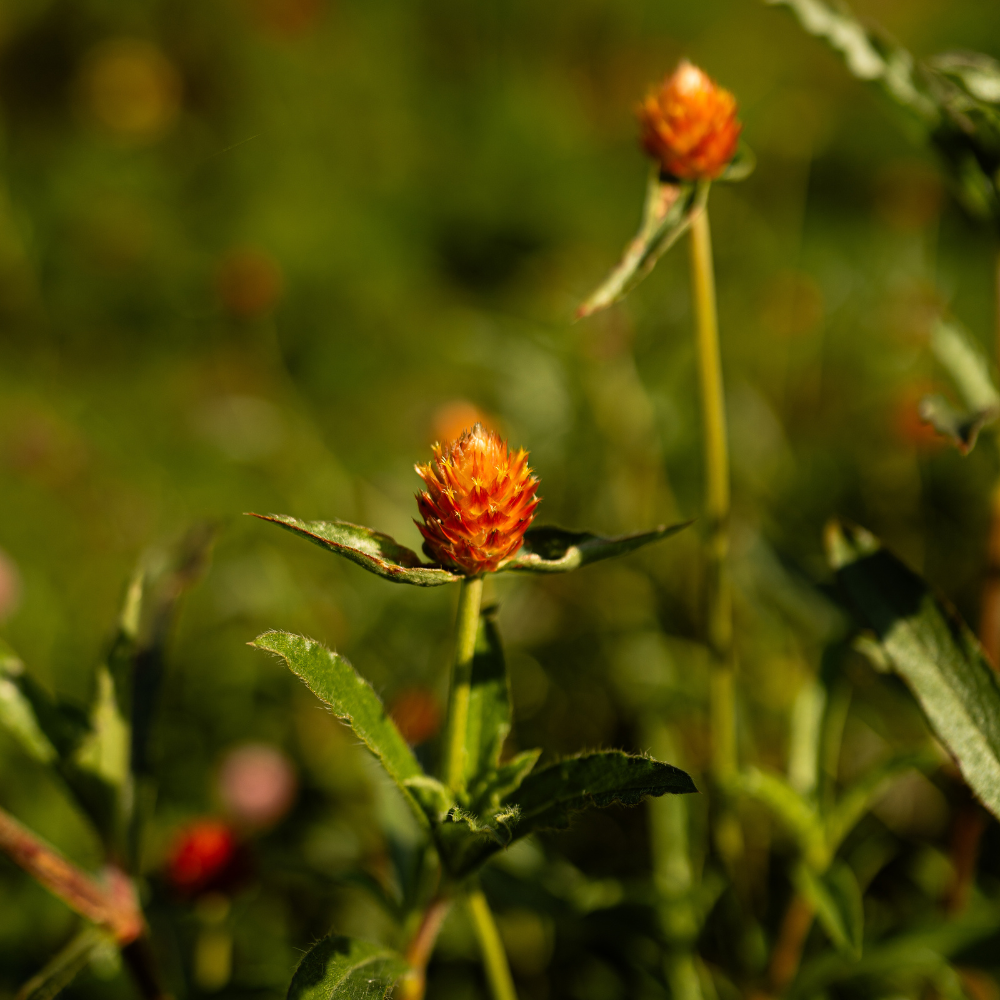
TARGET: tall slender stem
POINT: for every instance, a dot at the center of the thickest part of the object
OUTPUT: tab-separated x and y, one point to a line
467	625
494	957
718	597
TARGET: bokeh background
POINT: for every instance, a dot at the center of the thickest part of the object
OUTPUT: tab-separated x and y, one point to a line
259	254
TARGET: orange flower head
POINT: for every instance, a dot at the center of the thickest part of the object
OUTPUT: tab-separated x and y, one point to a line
689	124
479	501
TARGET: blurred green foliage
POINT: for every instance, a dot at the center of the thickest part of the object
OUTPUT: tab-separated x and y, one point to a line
258	254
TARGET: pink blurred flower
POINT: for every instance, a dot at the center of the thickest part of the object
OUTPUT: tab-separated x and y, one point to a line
257	784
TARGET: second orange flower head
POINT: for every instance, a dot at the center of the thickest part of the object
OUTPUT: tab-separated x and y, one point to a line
689	124
480	500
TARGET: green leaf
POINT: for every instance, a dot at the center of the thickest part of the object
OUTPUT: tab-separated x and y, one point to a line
741	166
333	680
489	702
868	54
547	798
556	550
89	944
931	648
498	784
854	802
965	362
370	549
340	968
798	814
670	206
836	897
17	711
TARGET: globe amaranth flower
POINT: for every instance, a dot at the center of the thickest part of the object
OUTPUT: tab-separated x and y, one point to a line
689	124
479	501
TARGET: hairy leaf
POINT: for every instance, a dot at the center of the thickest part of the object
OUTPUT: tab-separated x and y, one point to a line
489	702
333	680
836	898
932	649
547	798
670	206
370	549
556	550
499	784
340	968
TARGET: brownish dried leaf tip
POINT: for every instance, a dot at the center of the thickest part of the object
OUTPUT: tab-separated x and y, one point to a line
479	501
689	124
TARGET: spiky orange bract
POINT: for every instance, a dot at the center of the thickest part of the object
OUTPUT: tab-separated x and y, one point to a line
689	124
479	501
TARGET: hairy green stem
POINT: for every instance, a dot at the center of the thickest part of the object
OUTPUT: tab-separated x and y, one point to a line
494	957
716	449
469	601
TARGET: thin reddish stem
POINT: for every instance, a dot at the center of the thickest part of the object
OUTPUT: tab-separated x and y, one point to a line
418	954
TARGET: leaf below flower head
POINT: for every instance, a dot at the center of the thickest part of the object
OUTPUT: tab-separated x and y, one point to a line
372	550
549	549
670	206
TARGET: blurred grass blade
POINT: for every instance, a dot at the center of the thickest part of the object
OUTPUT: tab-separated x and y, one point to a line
741	166
17	713
965	362
667	213
548	797
340	968
932	649
556	550
856	799
797	814
836	898
489	702
63	968
805	735
333	680
370	549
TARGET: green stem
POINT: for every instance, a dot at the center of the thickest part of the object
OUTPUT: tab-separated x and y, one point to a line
494	957
466	628
722	706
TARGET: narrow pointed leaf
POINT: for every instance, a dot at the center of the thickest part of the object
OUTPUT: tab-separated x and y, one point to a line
340	968
547	798
370	549
836	897
504	780
932	649
741	166
556	550
489	702
333	680
670	206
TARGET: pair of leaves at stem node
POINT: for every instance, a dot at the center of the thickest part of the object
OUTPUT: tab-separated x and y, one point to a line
504	801
668	211
545	549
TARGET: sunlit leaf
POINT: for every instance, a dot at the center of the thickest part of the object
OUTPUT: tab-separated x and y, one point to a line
932	649
17	713
556	550
670	206
547	798
965	362
341	968
333	680
370	549
836	898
